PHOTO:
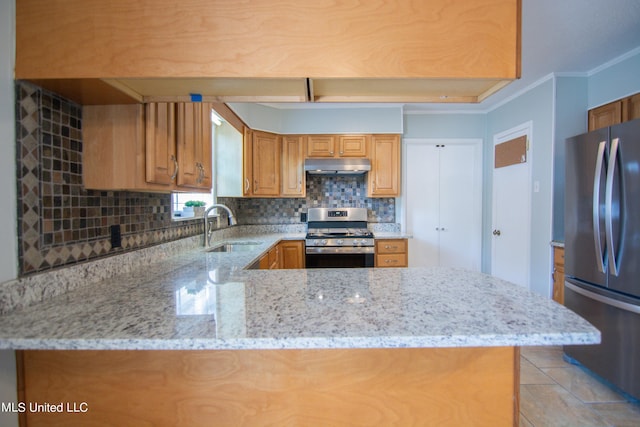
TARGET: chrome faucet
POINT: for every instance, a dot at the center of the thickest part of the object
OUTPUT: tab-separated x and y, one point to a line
207	225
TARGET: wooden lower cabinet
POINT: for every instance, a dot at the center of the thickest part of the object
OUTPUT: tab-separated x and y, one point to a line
420	386
286	254
392	253
291	254
558	275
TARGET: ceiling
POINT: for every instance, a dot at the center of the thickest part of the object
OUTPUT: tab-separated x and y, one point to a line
558	36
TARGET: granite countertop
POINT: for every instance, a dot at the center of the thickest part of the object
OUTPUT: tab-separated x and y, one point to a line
200	300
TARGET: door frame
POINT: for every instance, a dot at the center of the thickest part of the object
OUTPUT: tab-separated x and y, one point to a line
478	143
524	129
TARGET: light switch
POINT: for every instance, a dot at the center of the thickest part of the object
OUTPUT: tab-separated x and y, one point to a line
536	186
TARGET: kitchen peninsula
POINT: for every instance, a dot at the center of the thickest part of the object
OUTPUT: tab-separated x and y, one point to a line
198	340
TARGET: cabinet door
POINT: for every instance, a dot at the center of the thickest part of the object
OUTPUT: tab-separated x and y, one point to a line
459	206
631	109
266	164
291	254
384	177
321	145
353	145
558	275
293	178
607	115
160	139
247	163
194	145
274	258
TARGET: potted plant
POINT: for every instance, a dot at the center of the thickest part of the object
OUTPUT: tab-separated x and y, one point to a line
195	206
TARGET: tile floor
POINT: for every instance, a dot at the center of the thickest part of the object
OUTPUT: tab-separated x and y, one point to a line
556	393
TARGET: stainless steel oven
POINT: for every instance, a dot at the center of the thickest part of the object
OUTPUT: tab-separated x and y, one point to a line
338	238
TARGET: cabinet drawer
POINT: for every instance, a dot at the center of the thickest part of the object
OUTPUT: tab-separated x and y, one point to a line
391	246
391	260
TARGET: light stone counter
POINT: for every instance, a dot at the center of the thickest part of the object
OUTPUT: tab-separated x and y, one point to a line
199	300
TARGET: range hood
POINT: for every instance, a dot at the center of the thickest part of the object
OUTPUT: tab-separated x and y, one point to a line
340	166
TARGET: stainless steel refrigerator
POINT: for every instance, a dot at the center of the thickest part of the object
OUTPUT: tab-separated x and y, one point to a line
602	249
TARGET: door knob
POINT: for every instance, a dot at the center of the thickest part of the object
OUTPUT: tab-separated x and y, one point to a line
496	232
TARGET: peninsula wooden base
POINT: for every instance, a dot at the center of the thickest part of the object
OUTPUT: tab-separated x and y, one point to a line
443	387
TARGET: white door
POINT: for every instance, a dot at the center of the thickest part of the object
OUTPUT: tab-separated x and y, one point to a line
460	206
422	193
511	228
443	202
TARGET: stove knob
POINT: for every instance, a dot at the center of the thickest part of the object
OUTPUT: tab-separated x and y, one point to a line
323	242
340	241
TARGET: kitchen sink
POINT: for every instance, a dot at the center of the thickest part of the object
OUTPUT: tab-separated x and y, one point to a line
235	247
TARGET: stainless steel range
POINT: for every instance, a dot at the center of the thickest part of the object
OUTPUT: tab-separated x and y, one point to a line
338	238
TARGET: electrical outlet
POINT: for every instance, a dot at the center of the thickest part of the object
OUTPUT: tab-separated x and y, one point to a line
116	238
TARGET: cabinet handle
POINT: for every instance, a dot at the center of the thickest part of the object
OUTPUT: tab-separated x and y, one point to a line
175	164
390	247
255	185
200	168
331	152
246	186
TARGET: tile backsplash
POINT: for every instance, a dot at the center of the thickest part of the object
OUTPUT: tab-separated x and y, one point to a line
322	191
62	223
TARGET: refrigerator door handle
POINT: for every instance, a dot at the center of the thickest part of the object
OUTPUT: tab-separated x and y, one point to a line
603	299
596	205
613	154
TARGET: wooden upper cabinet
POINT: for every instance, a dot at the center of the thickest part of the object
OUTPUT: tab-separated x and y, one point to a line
194	145
384	176
337	145
247	162
613	113
353	145
149	49
606	115
321	145
160	140
113	155
293	176
266	164
631	110
135	147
